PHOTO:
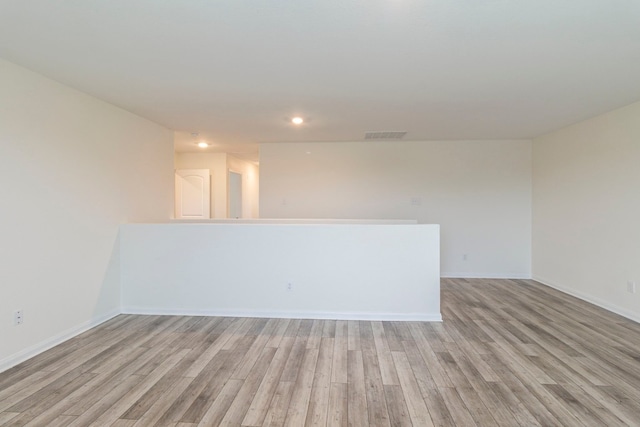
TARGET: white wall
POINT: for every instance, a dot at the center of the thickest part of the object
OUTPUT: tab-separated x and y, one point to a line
586	209
72	168
250	187
219	165
337	271
478	191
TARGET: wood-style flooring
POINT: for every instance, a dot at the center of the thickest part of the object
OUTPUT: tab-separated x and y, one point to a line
509	353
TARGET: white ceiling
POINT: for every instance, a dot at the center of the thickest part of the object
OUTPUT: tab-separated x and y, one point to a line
235	70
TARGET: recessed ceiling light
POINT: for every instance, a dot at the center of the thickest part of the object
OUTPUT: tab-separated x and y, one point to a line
297	120
203	144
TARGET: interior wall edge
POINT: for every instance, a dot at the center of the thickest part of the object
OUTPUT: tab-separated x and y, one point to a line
589	298
41	347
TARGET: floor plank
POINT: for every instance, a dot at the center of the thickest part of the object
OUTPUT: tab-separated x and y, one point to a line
508	353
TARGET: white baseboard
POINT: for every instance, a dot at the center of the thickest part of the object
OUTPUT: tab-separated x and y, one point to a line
591	299
34	350
449	275
402	317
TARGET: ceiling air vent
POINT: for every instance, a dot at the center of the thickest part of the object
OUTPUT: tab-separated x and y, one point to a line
384	135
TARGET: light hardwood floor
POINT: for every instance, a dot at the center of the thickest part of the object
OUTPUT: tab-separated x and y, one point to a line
509	353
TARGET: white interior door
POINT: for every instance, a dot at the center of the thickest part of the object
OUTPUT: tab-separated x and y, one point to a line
235	195
193	194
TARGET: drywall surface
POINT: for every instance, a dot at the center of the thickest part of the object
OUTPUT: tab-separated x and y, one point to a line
72	169
586	209
337	271
250	187
293	221
478	191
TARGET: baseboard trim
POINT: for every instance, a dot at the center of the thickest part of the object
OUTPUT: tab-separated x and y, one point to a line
449	275
590	299
401	317
34	350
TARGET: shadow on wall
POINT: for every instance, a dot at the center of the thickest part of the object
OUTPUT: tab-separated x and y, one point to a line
108	301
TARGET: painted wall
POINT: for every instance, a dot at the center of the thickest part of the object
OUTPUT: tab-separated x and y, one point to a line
586	209
219	165
250	185
478	191
337	271
72	168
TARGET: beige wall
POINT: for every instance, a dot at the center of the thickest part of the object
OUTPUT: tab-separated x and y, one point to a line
479	191
586	209
72	168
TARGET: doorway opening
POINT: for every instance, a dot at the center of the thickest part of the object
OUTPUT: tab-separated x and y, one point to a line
235	194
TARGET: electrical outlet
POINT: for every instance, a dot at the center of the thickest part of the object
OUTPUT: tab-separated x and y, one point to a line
464	257
416	201
631	287
18	317
289	287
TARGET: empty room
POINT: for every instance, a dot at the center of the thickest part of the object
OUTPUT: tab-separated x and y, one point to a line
332	213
